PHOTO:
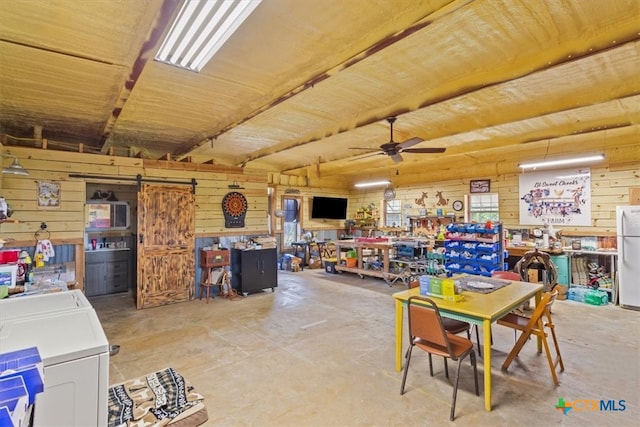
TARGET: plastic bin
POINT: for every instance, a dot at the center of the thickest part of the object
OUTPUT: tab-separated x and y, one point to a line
9	255
8	275
330	265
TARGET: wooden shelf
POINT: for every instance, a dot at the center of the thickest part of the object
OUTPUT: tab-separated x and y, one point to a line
567	233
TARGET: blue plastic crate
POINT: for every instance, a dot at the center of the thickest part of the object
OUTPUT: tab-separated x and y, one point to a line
488	258
488	247
452	244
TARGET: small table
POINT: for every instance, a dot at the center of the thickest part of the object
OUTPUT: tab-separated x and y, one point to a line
304	248
213	264
478	309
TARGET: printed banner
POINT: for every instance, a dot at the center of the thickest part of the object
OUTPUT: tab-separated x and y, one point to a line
556	197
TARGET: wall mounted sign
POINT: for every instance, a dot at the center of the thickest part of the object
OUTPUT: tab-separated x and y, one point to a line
480	186
234	207
561	197
48	195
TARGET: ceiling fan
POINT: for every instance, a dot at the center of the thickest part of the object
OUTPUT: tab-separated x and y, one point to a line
393	149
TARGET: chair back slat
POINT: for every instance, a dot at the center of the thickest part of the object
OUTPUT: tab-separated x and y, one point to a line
541	308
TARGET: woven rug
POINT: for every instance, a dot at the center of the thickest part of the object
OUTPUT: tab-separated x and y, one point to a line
152	400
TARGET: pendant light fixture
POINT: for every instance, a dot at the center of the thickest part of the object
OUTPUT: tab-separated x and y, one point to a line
15	168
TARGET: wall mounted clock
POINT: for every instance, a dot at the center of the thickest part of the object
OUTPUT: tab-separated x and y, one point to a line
457	205
389	194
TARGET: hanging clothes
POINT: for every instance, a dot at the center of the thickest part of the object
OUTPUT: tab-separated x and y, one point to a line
45	248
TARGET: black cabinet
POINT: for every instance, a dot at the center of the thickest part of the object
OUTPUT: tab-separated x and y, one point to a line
254	270
106	272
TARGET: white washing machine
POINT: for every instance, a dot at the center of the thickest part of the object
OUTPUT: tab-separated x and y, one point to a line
42	304
74	351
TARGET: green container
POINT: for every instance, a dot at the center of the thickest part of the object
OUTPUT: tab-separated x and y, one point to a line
435	285
4	291
596	298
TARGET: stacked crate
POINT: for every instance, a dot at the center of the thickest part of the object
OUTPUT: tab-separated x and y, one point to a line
579	271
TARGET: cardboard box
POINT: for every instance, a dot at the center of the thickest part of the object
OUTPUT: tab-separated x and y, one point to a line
425	285
435	286
448	288
563	291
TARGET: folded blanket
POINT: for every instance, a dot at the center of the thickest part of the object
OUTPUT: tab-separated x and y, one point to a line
152	400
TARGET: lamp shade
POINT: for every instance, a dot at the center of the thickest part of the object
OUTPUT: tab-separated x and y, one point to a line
15	168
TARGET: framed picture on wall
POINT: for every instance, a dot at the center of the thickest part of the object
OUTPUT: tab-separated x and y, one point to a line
48	195
480	186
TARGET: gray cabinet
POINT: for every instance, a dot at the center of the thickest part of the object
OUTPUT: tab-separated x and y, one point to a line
106	272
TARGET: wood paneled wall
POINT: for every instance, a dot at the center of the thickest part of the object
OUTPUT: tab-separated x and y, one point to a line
66	223
305	194
609	188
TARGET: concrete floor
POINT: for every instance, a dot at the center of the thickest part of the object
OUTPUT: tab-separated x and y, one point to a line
319	351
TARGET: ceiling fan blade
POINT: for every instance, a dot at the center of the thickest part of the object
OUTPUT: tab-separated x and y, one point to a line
424	150
397	158
363	148
364	156
410	142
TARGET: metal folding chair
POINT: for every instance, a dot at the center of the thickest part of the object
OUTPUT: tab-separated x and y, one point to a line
427	332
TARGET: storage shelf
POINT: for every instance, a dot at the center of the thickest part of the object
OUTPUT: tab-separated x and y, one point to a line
462	254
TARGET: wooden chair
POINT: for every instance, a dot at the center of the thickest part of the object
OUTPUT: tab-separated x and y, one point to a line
213	276
538	325
507	275
513	276
426	330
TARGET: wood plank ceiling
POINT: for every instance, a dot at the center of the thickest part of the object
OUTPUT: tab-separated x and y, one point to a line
303	81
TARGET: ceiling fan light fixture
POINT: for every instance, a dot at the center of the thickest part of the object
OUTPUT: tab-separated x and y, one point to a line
371	184
561	162
200	30
15	168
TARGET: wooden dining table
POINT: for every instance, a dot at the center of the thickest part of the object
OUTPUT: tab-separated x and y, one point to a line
481	309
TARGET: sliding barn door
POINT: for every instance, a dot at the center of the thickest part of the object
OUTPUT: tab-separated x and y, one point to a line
166	242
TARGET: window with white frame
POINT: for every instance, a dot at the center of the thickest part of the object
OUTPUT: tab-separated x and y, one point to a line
483	207
393	213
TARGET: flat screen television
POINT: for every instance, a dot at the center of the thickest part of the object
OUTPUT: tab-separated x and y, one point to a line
329	208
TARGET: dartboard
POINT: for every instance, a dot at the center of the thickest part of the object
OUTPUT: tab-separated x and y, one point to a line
234	207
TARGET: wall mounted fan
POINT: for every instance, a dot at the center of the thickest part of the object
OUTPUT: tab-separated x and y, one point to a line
393	149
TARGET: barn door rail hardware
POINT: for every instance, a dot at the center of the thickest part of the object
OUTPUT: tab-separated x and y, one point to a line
139	179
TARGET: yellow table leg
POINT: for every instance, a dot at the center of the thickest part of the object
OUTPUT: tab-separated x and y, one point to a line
486	352
398	335
539	339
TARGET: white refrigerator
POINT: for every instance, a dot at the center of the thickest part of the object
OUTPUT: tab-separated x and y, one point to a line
628	230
